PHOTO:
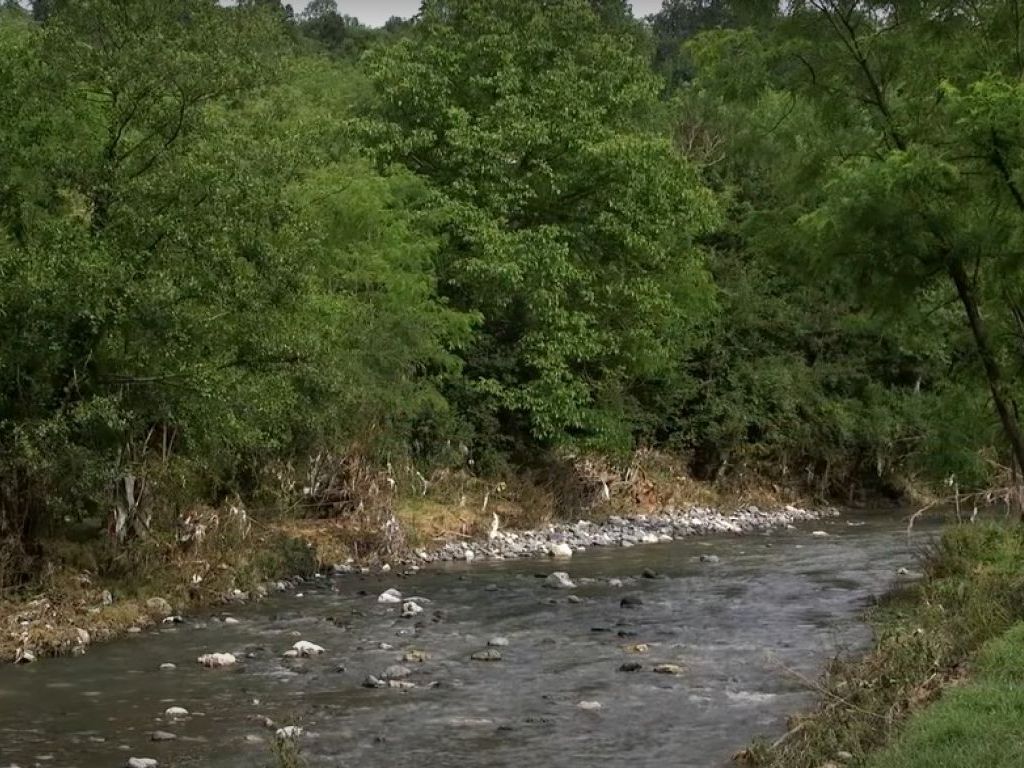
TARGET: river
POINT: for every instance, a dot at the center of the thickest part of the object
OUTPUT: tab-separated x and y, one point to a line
744	629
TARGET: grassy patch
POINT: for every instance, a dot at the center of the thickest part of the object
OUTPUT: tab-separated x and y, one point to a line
975	726
926	636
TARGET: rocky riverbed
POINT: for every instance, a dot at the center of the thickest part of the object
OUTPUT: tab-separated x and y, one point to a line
676	653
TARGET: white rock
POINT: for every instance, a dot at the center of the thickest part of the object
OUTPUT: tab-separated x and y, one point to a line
385	568
390	596
168	667
498	642
289	732
215	660
561	549
559	580
410	609
469	555
142	762
589	706
307	649
820	534
291	653
231	620
176	712
24	656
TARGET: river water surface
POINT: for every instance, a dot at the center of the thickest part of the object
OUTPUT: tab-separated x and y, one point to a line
745	629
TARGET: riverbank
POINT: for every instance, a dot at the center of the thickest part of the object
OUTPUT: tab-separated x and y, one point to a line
930	642
236	562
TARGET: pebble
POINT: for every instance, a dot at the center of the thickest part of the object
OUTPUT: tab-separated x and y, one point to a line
396	672
214	660
176	712
489	655
669	669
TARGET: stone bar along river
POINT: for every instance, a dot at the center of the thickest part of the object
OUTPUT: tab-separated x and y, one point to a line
774	607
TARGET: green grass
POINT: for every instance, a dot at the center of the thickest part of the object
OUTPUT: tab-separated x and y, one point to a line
980	725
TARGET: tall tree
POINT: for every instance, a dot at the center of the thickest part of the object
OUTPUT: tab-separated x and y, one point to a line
570	223
908	177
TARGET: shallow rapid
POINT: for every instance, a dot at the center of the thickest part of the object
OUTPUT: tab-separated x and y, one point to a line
747	631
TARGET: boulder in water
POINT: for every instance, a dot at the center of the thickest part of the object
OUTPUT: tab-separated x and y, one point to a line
392	596
288	732
216	660
142	762
411	609
669	669
561	550
306	649
559	580
396	672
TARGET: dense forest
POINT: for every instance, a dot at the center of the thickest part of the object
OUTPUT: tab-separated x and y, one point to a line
781	237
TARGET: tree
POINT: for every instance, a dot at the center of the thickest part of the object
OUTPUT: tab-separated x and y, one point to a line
569	223
679	21
907	179
189	293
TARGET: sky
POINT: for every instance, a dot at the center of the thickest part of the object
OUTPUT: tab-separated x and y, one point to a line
376	12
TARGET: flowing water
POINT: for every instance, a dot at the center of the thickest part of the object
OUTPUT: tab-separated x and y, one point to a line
745	629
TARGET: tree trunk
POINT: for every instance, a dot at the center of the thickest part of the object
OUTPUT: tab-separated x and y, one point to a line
988	359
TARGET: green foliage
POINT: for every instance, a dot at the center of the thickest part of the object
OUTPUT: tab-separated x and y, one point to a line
569	224
195	269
